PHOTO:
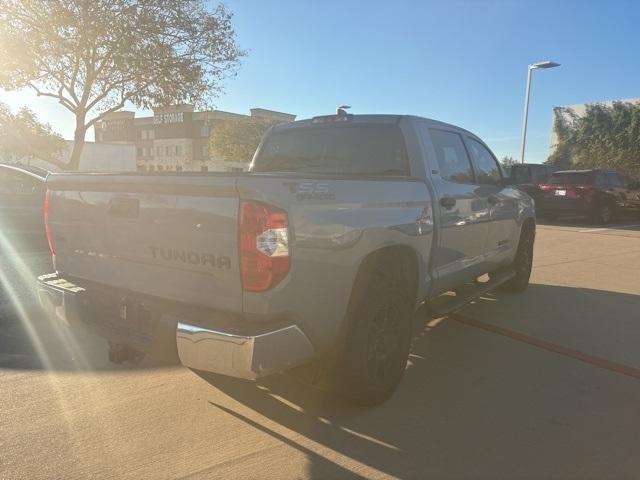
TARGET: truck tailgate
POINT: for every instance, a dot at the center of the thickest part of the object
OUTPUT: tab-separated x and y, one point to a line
169	236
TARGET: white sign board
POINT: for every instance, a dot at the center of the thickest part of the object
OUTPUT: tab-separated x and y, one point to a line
173	117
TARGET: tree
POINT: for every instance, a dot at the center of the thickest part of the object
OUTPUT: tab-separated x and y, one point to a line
237	140
22	136
606	136
95	56
508	161
562	119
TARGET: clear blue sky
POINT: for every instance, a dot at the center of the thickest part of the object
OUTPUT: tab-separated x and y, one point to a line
458	61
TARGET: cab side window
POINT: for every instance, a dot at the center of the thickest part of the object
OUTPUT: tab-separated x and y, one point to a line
487	168
453	162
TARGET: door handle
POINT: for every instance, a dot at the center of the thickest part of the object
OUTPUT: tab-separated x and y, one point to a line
493	200
448	202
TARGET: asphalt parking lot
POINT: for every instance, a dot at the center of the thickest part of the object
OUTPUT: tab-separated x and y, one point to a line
545	384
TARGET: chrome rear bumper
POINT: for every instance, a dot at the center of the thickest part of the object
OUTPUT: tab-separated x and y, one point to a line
242	356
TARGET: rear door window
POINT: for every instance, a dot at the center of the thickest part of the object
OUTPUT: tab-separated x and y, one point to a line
453	162
354	149
487	169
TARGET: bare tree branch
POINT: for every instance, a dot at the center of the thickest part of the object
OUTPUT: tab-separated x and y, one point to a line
63	101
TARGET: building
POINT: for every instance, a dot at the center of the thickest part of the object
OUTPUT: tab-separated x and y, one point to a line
174	138
579	110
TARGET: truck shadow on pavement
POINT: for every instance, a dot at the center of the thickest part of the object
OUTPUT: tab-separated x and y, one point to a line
472	404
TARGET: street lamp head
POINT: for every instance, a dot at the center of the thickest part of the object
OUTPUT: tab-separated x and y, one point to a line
546	64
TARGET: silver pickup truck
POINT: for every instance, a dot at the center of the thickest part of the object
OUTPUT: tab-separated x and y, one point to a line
343	226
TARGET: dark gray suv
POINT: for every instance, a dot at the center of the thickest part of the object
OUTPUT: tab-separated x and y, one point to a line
529	176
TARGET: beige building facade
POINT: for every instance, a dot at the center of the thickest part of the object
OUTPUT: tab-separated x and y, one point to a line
175	138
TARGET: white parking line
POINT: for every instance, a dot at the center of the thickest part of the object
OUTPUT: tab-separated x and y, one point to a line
613	227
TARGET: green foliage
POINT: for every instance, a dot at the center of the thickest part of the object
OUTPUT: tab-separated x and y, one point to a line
95	56
237	140
23	136
604	137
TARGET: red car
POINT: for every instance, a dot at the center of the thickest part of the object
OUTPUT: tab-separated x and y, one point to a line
599	194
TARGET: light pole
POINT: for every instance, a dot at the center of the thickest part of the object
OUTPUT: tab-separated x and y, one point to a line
532	67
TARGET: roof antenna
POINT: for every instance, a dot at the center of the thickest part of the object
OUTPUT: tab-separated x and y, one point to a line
342	109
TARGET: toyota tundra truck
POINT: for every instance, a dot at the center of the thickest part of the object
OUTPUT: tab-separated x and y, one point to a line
321	253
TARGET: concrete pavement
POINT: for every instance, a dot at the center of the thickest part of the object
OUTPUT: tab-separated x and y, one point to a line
473	404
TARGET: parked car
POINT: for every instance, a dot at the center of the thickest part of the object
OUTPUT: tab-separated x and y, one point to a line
528	177
599	194
22	191
343	226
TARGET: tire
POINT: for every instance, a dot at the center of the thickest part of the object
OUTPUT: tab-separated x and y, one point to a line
602	214
378	341
523	261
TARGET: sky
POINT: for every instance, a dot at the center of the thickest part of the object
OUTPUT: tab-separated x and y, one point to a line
458	61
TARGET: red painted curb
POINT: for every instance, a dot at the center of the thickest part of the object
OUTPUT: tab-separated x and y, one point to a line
551	347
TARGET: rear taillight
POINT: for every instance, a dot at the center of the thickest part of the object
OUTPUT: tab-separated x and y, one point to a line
264	246
47	227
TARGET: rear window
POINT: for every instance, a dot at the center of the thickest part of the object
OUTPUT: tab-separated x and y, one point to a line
335	149
570	178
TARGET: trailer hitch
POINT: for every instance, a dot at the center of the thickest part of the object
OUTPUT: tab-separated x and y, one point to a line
120	354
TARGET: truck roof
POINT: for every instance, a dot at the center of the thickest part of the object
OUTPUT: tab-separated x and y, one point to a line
372	118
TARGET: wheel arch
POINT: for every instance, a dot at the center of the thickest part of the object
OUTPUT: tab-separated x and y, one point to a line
401	259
